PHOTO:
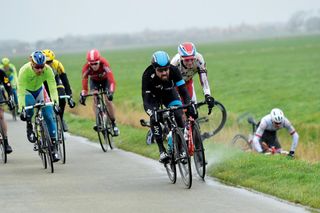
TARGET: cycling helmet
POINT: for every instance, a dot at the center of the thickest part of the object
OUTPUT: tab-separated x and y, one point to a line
277	115
160	59
187	50
38	57
93	56
5	61
50	56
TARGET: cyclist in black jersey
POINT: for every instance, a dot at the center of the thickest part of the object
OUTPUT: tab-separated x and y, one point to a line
159	83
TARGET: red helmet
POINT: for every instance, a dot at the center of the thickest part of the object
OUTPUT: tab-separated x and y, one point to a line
187	50
93	56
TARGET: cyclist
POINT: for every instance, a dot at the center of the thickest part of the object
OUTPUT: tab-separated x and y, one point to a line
32	75
159	82
5	82
190	62
61	81
266	133
100	73
10	71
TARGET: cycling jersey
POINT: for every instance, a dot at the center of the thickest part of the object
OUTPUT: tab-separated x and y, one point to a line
266	124
104	73
60	76
199	67
5	82
156	91
11	73
29	81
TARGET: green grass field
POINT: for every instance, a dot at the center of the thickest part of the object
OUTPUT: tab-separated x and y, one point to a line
249	76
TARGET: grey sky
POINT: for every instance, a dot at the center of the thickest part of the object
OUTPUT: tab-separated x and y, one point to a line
30	20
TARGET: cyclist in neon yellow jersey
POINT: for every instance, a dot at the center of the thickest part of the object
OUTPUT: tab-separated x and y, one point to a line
11	72
32	75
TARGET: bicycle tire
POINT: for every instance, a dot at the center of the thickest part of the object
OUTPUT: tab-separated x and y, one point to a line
184	164
209	122
41	152
14	114
60	140
47	145
3	150
109	131
199	155
241	141
101	130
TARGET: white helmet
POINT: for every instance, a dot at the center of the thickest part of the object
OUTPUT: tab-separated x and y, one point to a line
276	115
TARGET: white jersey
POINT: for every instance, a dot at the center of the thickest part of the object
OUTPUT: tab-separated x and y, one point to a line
199	67
266	124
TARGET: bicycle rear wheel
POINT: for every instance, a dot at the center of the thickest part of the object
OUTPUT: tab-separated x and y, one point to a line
3	150
47	145
61	144
213	123
199	156
241	141
182	157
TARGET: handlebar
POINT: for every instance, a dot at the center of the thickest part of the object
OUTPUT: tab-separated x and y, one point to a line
39	105
96	93
64	97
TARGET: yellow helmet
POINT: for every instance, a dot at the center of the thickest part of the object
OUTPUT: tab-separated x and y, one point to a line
50	56
5	61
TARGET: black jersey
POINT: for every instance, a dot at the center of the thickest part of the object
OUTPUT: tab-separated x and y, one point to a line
156	92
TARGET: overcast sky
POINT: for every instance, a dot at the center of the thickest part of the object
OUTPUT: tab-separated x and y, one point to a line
30	20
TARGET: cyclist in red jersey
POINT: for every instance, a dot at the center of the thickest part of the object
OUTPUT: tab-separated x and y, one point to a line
98	70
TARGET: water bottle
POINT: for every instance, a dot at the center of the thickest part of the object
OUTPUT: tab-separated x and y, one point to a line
169	138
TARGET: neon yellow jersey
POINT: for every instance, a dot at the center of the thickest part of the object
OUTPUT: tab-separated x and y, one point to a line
28	80
11	73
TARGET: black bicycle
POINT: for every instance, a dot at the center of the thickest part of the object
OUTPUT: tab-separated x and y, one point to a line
103	122
3	147
43	142
178	148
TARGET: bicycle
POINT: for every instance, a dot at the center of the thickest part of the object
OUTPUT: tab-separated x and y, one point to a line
60	134
103	122
10	100
245	142
177	147
43	142
3	147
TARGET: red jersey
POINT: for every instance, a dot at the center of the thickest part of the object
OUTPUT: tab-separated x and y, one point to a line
104	73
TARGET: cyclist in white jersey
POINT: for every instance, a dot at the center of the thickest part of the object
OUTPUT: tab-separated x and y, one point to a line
189	62
266	133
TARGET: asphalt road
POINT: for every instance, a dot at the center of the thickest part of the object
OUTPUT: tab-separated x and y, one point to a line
116	181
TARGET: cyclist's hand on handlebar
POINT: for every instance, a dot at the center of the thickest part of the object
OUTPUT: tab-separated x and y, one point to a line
56	108
291	154
23	115
82	99
71	102
210	101
110	96
192	111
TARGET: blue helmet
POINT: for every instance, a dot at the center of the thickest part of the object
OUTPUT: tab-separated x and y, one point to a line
160	59
38	57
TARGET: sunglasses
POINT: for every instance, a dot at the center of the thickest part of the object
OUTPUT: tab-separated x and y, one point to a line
94	63
162	69
188	59
38	66
48	62
276	123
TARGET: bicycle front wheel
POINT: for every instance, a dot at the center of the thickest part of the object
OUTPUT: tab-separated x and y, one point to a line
241	141
41	152
3	150
47	145
61	144
101	130
213	123
199	156
182	157
108	132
